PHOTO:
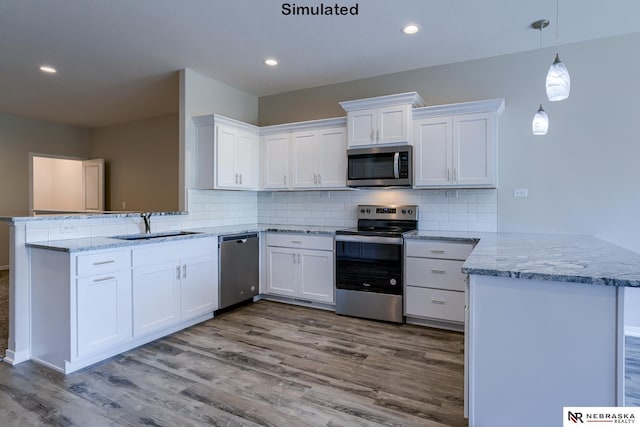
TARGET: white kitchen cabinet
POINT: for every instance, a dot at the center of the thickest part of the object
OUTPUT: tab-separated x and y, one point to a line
173	283
381	120
275	162
300	266
434	282
319	159
226	154
456	145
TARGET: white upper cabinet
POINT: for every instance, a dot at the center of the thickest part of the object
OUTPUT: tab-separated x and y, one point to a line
305	155
381	120
456	145
226	154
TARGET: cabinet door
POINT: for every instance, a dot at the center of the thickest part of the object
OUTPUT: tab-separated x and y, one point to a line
305	174
282	271
246	157
316	275
198	287
226	157
361	125
103	311
156	297
433	152
474	149
332	158
276	161
393	124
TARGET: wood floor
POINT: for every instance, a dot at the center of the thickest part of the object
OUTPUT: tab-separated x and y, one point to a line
267	364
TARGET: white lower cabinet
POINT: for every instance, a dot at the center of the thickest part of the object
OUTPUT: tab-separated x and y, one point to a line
434	282
300	266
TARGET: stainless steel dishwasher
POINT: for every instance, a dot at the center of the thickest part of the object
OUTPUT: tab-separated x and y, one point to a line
239	268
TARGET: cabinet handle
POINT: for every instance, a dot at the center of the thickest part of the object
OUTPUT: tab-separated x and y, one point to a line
315	179
371	135
184	271
378	135
448	174
437	251
437	301
178	272
455	174
104	279
285	180
319	179
294	258
299	261
236	179
240	178
297	242
438	271
111	261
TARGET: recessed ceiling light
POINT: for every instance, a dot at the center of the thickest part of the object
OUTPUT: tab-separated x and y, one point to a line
48	69
271	62
411	29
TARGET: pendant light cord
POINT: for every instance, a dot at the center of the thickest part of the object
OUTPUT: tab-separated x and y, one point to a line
557	23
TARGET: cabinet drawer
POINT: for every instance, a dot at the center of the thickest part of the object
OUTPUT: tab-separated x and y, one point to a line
170	252
435	273
92	264
438	249
290	240
434	304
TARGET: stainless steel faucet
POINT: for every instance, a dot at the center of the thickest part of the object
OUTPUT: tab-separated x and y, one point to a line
146	216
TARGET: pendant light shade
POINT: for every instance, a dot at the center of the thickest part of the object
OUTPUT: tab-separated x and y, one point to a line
558	81
540	123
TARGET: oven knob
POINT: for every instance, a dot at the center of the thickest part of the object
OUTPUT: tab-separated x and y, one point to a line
361	210
404	211
393	282
368	210
410	211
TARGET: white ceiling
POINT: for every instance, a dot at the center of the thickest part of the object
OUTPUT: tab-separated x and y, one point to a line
117	59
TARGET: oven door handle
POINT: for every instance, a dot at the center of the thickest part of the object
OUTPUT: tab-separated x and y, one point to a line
369	239
396	165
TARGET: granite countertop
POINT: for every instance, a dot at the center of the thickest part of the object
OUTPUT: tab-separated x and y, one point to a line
554	257
98	243
66	215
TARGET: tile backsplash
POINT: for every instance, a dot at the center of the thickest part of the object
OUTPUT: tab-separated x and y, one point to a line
446	210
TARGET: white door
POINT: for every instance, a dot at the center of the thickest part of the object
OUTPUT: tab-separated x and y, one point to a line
226	176
282	271
474	151
103	311
276	161
332	158
316	275
433	152
93	184
246	156
393	124
305	174
156	297
198	286
361	125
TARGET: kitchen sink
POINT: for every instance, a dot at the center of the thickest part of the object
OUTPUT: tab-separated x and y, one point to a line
143	236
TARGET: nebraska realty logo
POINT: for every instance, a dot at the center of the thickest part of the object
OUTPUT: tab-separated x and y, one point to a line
602	415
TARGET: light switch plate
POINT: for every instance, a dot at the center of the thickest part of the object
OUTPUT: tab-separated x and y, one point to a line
520	192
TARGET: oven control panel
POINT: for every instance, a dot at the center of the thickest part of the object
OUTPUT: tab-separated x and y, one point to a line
404	212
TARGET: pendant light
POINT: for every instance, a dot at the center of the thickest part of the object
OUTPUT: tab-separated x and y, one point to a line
540	124
558	80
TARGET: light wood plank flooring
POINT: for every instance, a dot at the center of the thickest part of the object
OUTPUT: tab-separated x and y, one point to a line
267	364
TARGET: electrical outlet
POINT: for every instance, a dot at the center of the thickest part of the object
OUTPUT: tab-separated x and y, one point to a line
520	192
124	205
68	229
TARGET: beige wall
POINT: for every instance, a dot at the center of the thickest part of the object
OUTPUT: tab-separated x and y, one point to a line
582	176
18	137
141	161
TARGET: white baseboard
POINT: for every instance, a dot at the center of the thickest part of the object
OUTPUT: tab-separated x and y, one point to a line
633	331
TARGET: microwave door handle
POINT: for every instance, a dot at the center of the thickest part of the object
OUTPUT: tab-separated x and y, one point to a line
396	165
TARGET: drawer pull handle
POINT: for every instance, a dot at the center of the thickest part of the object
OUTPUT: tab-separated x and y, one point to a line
437	301
104	279
438	271
437	251
296	242
104	262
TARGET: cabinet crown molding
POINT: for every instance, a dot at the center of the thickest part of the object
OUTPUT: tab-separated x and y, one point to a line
488	105
306	125
211	119
411	98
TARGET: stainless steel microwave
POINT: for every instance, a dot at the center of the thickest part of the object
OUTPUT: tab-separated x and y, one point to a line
380	166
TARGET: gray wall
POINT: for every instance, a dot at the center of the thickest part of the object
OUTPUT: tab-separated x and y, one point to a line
18	137
141	160
582	176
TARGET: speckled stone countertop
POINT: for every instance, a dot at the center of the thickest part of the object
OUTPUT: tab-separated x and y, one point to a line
97	243
554	257
81	215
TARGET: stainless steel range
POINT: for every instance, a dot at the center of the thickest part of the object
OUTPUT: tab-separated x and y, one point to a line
369	261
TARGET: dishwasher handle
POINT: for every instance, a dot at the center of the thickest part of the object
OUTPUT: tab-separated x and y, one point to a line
239	238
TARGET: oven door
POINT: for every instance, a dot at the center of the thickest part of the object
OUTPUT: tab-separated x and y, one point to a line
369	264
